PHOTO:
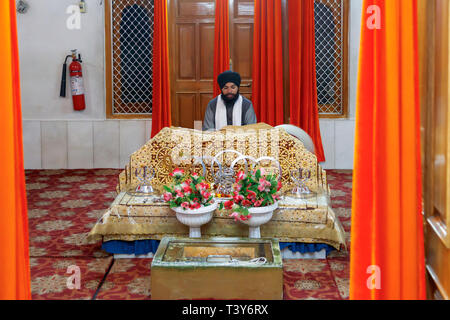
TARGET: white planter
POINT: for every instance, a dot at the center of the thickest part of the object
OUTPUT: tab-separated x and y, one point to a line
260	215
195	218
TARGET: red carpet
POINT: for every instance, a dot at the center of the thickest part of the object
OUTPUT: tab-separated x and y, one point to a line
63	205
49	277
129	279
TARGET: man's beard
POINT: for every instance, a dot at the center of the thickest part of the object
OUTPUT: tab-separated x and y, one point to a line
231	98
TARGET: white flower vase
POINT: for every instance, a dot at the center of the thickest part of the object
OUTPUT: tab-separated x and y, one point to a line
195	218
260	215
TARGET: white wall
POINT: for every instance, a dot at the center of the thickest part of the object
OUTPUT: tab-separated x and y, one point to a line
55	136
44	41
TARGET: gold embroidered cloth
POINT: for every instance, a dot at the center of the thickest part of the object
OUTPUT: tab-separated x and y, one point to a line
176	147
296	220
132	217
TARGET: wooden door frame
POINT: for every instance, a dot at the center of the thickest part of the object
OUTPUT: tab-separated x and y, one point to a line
436	231
441	228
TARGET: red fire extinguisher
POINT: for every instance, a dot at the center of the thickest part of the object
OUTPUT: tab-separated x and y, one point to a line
76	81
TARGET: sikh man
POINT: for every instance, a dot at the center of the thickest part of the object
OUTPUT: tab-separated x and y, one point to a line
228	108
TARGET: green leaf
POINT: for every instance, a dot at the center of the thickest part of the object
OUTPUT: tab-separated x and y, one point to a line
167	189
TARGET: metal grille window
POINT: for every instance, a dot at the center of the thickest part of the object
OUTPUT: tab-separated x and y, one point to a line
330	60
132	51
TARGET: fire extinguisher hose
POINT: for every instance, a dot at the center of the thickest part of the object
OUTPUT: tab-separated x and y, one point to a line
62	90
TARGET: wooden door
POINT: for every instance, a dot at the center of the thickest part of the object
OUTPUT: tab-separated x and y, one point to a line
191	51
434	25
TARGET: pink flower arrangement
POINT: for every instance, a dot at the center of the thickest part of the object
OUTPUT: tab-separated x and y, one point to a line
167	196
240	175
188	193
177	173
235	215
202	186
264	185
252	190
228	204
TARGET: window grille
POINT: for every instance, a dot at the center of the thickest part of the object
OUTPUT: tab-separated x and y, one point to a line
329	37
132	51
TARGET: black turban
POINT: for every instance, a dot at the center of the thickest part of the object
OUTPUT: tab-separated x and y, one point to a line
228	76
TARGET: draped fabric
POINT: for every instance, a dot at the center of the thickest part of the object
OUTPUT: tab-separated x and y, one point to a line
14	254
267	92
161	112
139	247
221	42
387	247
303	103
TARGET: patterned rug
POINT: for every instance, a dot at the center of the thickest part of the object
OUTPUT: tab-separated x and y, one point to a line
63	205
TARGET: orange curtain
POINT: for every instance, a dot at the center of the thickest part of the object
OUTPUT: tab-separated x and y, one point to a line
221	42
304	111
267	92
14	255
161	113
387	245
